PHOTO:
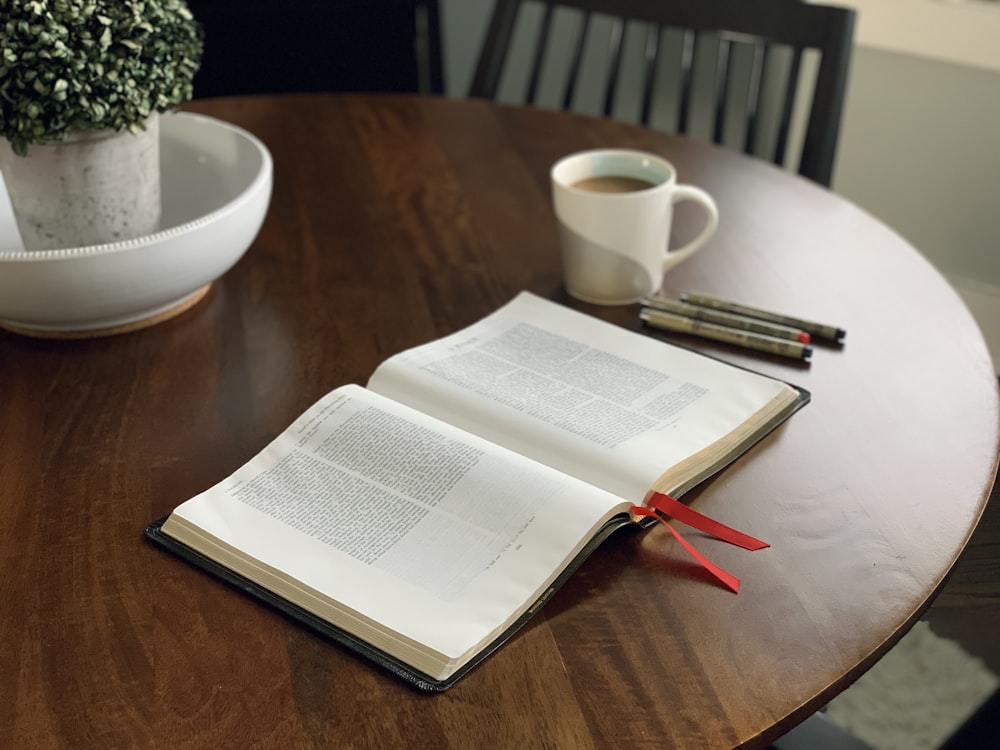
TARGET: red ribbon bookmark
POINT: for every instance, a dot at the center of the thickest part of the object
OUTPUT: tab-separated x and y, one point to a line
670	507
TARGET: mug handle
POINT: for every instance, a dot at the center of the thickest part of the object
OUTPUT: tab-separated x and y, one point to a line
691	193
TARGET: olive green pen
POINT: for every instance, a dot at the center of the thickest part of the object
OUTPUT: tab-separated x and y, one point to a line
678	323
831	333
730	320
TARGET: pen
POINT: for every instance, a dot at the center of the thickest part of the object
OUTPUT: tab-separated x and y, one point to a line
727	319
670	322
831	333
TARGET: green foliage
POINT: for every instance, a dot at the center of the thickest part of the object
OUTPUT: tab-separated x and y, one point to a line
92	64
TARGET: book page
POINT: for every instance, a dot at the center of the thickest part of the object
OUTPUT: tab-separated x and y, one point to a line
612	407
373	513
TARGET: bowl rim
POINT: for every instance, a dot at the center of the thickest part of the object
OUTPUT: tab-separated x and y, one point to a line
259	179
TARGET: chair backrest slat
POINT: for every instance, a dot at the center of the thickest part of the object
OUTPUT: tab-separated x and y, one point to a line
689	40
740	80
651	61
788	104
538	59
758	64
724	73
573	75
615	43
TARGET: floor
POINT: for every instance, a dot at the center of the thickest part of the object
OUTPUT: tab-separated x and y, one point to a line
968	611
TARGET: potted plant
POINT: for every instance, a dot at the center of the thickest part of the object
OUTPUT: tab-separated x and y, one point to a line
82	83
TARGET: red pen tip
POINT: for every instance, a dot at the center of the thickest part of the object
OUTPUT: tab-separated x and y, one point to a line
804	337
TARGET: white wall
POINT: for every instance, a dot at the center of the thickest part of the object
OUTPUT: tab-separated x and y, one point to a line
919	147
964	32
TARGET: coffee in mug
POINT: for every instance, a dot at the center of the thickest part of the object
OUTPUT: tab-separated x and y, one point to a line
612	184
615	209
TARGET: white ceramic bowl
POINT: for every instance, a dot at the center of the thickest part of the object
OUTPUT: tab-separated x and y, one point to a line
216	187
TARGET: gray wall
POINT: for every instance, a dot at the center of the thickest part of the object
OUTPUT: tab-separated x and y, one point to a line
919	149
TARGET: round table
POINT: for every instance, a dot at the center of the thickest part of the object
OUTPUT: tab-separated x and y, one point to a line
396	220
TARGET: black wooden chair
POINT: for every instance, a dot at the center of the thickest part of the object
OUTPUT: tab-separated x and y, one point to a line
273	46
733	71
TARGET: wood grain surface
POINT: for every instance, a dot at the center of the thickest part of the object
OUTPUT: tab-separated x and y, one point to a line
399	219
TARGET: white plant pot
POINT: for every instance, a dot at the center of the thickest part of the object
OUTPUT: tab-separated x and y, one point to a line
91	189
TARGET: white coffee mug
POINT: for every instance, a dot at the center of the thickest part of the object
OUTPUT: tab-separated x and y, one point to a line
615	208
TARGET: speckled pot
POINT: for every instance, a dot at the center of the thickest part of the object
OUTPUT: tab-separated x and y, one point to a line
91	189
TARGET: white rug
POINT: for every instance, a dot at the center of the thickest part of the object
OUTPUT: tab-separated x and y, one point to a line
916	696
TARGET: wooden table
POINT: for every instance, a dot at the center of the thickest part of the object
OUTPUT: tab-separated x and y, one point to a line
396	220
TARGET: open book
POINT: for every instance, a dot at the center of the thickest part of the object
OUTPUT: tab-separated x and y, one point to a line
421	520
